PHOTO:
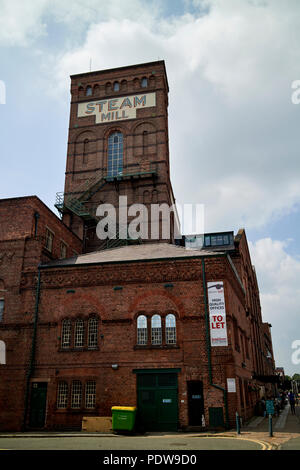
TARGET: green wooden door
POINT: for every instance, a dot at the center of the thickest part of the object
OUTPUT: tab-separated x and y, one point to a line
38	404
158	401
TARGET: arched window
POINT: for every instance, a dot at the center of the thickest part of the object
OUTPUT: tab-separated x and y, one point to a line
116	86
144	82
89	91
93	332
62	395
66	334
170	329
2	353
115	154
76	398
79	334
142	333
156	332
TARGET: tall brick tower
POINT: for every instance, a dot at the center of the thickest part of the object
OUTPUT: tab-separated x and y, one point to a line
117	146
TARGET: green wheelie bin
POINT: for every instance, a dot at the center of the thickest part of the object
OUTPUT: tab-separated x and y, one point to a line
123	418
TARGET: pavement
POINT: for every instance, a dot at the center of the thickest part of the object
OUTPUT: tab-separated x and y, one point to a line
254	435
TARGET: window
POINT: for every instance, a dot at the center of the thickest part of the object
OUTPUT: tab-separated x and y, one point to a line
76	394
144	82
66	334
49	240
79	334
89	91
170	329
142	333
1	309
93	332
2	352
115	154
63	250
116	86
156	332
62	395
90	394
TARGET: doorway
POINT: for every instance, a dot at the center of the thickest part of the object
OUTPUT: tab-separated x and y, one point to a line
195	402
38	402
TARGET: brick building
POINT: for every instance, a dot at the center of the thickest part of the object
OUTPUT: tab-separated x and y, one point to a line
86	324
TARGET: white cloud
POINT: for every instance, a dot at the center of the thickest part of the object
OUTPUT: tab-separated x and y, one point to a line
278	278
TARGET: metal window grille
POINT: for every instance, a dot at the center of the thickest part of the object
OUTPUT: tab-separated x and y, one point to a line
115	154
62	395
170	329
90	394
93	332
156	332
66	334
142	333
79	333
76	394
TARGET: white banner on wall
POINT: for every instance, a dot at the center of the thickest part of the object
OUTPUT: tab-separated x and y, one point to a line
217	314
116	109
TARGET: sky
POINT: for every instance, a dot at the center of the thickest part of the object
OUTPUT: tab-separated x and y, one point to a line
233	125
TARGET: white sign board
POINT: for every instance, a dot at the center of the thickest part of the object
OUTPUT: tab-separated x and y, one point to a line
231	387
217	314
116	109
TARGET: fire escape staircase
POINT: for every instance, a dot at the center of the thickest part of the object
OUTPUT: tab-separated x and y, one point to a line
76	202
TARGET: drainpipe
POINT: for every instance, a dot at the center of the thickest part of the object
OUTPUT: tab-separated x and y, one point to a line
36	218
33	346
208	348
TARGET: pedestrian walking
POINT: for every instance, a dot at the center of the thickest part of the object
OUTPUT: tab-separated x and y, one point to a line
291	397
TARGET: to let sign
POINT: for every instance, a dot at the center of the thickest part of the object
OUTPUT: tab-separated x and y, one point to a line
217	314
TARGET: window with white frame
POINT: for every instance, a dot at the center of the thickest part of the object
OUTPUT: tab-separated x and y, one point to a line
76	397
90	394
170	329
93	332
49	240
62	395
156	331
142	332
2	352
79	334
66	334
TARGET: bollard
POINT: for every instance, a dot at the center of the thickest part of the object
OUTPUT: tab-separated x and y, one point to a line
238	425
270	426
